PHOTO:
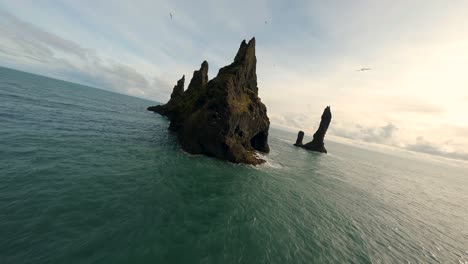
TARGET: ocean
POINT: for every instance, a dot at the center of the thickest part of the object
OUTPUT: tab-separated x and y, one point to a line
90	176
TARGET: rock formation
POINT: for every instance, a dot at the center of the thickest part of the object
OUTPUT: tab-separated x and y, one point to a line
317	143
223	117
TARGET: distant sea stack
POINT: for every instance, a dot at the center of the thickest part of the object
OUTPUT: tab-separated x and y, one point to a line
223	117
317	143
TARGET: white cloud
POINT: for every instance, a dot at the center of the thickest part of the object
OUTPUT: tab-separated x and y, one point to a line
422	145
383	134
22	42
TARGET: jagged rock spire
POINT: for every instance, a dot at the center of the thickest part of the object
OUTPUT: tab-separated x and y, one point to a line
317	144
178	90
223	117
319	136
300	137
244	66
200	77
245	51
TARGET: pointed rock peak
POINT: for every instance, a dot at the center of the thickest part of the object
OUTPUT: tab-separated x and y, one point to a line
204	65
326	118
246	51
200	77
204	72
252	42
300	137
181	81
178	88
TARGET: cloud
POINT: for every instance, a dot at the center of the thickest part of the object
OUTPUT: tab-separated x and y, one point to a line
382	134
424	146
413	105
460	131
23	39
29	46
388	135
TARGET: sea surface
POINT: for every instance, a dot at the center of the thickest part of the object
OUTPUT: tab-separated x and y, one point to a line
90	176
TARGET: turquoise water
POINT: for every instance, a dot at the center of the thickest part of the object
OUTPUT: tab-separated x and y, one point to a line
89	176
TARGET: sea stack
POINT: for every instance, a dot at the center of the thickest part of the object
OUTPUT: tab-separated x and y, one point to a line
223	117
317	144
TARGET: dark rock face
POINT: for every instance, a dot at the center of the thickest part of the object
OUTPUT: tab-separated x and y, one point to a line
223	117
317	143
300	137
176	99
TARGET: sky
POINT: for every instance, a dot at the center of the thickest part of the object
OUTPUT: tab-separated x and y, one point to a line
415	96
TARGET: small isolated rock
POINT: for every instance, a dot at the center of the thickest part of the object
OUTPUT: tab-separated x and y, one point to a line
317	144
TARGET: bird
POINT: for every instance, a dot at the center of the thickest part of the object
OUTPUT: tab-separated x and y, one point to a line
170	14
364	69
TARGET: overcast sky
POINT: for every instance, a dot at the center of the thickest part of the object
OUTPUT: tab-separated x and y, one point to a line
414	97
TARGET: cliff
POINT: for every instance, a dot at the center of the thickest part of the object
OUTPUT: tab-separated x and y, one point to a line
223	117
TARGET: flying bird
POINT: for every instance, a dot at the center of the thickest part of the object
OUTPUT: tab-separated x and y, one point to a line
364	69
170	14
